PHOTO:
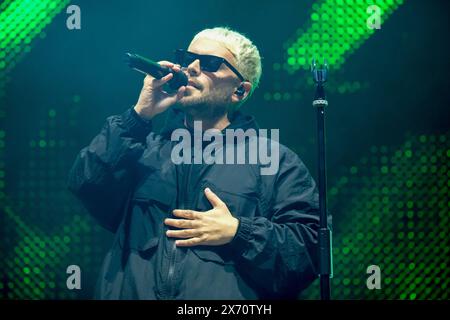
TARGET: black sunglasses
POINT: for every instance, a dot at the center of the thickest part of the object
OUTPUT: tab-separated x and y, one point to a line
208	63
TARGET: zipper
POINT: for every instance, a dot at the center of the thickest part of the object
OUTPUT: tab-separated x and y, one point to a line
172	260
173	252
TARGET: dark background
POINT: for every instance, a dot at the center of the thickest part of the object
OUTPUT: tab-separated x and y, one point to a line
71	80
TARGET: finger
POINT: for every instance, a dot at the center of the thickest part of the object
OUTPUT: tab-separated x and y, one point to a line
156	83
188	214
189	242
180	93
176	68
173	66
166	63
176	96
186	233
180	223
213	198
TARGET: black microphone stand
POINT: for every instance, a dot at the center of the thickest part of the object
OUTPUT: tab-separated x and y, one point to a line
325	253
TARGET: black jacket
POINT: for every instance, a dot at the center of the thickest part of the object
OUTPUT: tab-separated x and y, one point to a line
127	181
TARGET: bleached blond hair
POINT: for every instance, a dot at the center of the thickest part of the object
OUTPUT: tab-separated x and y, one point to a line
246	54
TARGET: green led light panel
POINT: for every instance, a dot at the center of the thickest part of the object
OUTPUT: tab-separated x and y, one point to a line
337	28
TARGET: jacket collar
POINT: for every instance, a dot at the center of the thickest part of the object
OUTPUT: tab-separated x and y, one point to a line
175	120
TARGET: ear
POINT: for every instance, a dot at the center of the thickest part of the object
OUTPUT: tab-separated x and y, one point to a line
237	97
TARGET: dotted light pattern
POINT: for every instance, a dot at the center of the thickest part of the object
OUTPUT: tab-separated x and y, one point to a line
34	260
35	266
393	205
393	211
2	164
345	87
40	186
338	27
20	22
37	253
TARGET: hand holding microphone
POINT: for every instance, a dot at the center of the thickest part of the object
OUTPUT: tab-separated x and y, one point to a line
153	99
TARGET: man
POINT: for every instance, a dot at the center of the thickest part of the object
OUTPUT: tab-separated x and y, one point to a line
198	230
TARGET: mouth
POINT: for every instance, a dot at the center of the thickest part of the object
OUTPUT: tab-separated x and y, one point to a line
193	85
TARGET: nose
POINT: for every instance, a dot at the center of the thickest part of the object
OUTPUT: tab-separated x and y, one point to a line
194	68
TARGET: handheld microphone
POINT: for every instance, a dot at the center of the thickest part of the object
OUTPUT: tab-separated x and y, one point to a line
156	70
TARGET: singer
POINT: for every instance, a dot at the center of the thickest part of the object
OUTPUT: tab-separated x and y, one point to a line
196	230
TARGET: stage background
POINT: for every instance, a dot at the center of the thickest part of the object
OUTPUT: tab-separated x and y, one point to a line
387	127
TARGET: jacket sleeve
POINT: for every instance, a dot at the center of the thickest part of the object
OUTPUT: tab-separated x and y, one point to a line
278	252
103	173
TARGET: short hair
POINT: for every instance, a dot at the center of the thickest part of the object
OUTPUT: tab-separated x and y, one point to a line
248	59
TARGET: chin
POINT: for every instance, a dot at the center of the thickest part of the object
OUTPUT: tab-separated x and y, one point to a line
189	100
